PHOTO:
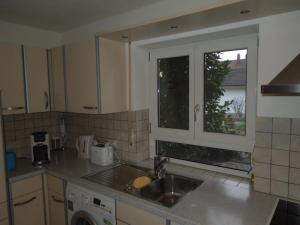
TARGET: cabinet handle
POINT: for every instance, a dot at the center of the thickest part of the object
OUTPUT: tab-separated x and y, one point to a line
196	110
57	200
10	108
90	107
46	100
25	202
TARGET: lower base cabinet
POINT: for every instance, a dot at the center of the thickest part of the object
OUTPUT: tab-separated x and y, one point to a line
29	209
128	215
56	200
28	201
56	208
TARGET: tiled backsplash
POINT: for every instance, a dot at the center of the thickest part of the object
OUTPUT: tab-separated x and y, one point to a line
18	128
127	131
277	157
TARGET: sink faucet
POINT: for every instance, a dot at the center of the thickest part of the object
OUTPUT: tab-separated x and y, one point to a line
159	170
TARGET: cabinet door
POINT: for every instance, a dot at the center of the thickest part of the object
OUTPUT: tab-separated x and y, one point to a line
81	77
135	216
114	75
57	79
12	79
56	209
29	209
3	193
37	84
3	211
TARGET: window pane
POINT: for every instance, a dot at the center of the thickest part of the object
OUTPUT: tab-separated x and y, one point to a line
225	80
211	156
173	92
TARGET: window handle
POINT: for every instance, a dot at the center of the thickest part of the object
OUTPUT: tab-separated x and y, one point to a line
46	100
196	110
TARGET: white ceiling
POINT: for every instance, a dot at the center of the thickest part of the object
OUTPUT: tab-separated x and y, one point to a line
62	15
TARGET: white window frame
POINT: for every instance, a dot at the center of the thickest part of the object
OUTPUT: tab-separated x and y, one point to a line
169	53
197	136
219	140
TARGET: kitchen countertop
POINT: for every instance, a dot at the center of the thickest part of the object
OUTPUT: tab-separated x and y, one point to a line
218	201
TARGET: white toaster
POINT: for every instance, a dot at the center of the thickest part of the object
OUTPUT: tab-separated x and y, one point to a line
102	154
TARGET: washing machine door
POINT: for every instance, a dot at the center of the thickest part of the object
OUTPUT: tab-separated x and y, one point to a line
83	218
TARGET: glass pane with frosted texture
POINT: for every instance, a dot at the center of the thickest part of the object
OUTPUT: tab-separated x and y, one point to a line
225	85
173	92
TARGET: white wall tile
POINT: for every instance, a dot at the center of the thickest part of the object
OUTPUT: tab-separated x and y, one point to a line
262	170
295	160
296	126
295	143
262	185
281	141
280	157
294	191
282	125
264	124
279	188
262	155
263	140
280	173
294	176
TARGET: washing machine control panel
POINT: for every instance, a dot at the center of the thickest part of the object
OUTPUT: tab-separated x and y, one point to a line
102	204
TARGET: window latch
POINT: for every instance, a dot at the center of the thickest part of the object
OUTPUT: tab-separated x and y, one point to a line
196	110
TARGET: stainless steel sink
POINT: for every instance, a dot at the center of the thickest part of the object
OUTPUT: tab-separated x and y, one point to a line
165	191
169	189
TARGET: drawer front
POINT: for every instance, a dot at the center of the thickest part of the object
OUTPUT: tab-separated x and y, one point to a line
55	184
3	211
135	216
29	209
56	209
26	186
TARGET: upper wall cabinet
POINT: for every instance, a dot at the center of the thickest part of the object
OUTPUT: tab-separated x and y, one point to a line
12	79
81	76
96	76
36	75
57	79
114	75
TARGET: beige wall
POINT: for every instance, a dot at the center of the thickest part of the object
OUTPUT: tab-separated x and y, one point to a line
18	128
127	131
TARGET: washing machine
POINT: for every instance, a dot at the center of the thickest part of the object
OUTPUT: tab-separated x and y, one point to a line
86	207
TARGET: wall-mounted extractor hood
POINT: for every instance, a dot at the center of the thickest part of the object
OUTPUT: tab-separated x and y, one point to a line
287	82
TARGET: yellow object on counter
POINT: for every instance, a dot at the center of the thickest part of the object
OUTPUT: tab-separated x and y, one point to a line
141	182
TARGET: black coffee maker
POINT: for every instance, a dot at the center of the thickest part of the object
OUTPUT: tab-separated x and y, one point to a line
40	148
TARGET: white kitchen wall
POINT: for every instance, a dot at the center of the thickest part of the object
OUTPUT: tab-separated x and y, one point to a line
19	34
148	14
279	43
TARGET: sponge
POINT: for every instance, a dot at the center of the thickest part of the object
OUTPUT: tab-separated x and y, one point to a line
141	182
